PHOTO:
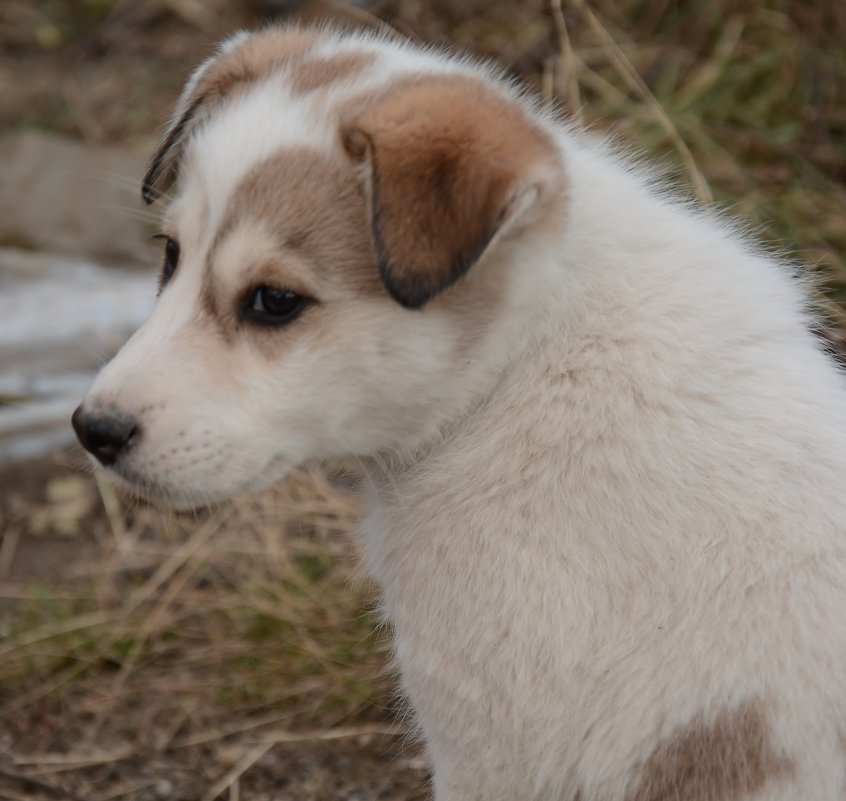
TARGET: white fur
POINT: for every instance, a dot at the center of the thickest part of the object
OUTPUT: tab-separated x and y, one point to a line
623	511
644	522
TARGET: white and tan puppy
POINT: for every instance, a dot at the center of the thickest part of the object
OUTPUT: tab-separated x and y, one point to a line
605	454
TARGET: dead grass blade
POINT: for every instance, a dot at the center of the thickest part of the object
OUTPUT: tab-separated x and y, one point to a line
249	758
337	733
39	785
73	760
91	620
565	70
631	77
111	506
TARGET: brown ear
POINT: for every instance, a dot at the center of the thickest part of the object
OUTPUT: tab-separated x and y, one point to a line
450	164
242	59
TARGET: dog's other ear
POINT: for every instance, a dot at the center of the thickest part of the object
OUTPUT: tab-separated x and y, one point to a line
449	165
242	59
163	167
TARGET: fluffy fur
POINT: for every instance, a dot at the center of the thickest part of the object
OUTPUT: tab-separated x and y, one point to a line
604	453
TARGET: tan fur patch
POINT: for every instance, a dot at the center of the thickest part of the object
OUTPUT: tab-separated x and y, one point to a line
317	209
448	157
317	217
256	58
318	73
723	760
316	212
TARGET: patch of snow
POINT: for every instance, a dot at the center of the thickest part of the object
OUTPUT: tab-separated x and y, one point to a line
60	320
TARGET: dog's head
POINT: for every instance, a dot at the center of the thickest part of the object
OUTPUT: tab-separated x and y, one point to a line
350	219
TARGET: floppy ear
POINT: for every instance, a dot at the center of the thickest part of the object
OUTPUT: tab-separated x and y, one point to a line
449	164
242	59
164	165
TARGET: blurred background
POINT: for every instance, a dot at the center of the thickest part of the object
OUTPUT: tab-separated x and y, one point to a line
235	654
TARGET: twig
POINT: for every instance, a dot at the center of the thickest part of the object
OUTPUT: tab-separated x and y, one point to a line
267	742
193	12
570	66
631	77
53	683
129	789
165	740
72	761
339	733
239	769
176	560
113	512
212	735
33	783
86	621
11	537
367	18
548	80
147	627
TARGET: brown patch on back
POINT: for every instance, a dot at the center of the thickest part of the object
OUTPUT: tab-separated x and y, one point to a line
723	760
449	158
318	73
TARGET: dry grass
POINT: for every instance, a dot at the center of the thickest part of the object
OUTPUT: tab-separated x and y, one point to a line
186	641
237	654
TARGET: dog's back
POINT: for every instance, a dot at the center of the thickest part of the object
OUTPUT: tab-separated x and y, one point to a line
648	519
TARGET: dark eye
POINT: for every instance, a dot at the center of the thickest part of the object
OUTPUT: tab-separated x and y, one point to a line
171	259
272	306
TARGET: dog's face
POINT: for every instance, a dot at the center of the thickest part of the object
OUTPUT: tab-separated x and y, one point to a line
316	294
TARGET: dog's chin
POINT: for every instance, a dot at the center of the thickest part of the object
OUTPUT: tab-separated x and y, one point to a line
171	494
166	495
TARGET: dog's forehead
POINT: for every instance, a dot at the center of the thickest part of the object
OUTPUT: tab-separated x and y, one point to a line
270	161
294	96
308	204
299	191
250	130
272	153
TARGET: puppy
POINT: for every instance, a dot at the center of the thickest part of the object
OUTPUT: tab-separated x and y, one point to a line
605	456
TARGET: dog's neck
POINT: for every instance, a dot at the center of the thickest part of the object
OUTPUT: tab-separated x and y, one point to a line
595	393
499	367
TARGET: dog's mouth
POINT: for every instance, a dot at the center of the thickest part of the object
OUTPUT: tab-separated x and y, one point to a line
177	494
181	471
156	492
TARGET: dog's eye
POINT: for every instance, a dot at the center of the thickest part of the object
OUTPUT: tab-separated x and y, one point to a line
272	306
171	259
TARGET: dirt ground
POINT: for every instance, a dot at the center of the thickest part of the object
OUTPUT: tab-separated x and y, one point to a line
235	654
230	654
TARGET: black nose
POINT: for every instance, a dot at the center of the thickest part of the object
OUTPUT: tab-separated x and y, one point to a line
104	433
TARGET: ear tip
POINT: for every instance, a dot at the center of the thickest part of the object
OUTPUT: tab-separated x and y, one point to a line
356	142
152	183
411	300
410	292
412	280
149	194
